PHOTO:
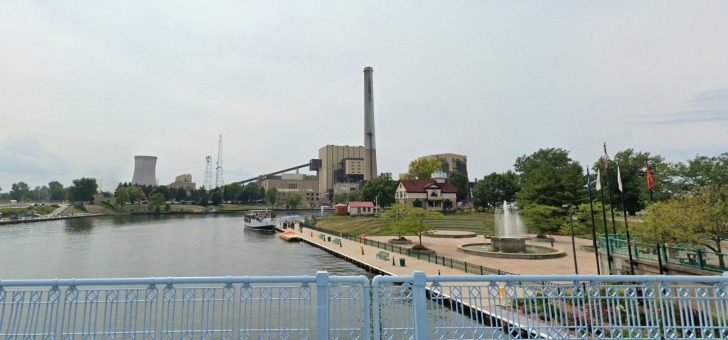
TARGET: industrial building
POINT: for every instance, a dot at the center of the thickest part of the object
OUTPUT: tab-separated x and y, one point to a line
342	169
306	185
183	182
451	163
144	170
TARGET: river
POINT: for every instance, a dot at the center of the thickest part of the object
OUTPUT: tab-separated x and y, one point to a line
155	246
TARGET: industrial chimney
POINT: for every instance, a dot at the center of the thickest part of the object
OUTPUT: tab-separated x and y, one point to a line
370	149
144	170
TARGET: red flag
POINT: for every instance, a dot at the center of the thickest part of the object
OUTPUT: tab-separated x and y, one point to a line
650	180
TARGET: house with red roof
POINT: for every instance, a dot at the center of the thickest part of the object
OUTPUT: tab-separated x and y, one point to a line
360	208
433	194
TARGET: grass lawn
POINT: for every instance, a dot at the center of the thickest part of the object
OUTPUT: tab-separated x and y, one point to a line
479	223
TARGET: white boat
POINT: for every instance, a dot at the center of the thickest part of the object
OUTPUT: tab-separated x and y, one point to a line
260	220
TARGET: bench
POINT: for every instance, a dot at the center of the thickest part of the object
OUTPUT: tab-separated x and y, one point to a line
322	236
337	241
383	255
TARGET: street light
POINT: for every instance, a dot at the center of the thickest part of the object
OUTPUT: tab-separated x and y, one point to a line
569	209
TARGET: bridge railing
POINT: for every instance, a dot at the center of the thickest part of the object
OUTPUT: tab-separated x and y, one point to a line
303	307
350	307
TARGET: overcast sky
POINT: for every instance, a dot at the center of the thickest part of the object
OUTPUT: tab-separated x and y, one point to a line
87	85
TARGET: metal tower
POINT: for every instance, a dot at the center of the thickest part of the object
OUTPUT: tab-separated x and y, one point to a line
218	178
208	173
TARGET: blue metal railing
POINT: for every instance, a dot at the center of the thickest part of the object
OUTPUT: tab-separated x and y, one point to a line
350	307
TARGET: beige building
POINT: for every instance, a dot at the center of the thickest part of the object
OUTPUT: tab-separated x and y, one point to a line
184	182
342	167
452	162
306	185
435	194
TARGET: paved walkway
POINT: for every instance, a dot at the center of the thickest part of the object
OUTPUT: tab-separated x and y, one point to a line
448	247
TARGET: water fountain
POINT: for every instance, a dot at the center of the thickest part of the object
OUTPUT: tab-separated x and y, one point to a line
510	239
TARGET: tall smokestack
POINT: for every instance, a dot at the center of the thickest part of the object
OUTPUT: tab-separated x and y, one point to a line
370	149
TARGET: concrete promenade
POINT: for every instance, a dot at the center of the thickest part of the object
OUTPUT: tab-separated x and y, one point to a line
447	247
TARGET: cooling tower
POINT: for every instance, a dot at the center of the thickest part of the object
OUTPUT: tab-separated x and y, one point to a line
370	149
144	170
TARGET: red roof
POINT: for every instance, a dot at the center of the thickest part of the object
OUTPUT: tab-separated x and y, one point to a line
361	205
340	205
420	185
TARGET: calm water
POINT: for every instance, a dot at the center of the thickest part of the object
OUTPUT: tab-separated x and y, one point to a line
153	246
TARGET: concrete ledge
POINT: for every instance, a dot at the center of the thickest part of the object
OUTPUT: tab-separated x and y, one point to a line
523	256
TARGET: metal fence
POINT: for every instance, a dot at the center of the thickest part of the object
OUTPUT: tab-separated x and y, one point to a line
689	257
467	267
414	306
321	306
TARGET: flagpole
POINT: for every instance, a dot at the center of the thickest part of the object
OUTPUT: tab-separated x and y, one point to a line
606	232
609	187
649	187
593	228
626	226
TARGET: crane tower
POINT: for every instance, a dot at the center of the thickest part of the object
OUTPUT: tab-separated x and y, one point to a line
218	177
208	173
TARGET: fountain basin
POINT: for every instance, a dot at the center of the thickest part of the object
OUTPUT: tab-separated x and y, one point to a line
528	253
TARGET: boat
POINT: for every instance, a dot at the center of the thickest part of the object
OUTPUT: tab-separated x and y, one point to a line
289	236
264	220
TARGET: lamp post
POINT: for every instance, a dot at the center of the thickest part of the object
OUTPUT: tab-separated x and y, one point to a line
569	209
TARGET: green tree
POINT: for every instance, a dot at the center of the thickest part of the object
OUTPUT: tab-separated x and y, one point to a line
422	217
162	189
250	193
494	189
232	191
122	196
271	196
180	195
549	179
156	200
135	194
293	200
380	189
341	197
461	183
702	171
19	191
352	196
700	218
543	219
395	220
57	193
83	190
216	198
634	178
423	168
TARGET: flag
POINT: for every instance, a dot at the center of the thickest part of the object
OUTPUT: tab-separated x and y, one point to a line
588	182
619	179
650	180
606	157
599	180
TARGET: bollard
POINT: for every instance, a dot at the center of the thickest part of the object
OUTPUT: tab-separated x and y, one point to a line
393	261
361	248
312	234
340	244
438	272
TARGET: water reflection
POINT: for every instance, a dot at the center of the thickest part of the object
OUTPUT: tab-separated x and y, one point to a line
79	225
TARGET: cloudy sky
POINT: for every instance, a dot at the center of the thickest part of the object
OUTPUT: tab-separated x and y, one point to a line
86	85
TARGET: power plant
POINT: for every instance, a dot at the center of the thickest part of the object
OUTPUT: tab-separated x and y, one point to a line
144	170
370	150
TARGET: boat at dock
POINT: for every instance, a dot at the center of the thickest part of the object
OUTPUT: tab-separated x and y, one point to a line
289	236
264	220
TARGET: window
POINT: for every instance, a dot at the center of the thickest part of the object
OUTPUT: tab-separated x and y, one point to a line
293	186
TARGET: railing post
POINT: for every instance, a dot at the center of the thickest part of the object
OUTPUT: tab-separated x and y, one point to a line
700	259
322	305
419	305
